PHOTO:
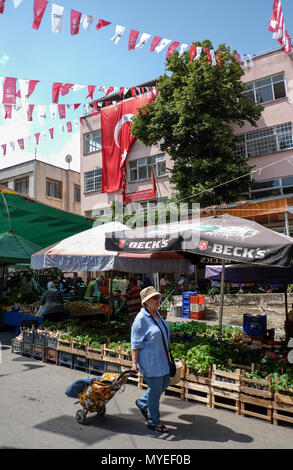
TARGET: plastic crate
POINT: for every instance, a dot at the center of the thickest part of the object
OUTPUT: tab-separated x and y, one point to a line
80	362
27	349
197	299
254	325
96	366
51	342
38	352
111	367
65	358
187	294
51	354
40	339
185	312
16	346
28	336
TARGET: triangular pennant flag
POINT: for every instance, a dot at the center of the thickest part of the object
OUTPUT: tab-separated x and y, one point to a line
55	91
62	111
30	112
76	105
57	13
39	10
133	35
109	90
91	89
8	111
198	53
192	52
2	5
16	3
9	90
207	51
213	56
133	91
162	45
102	23
21	143
95	109
119	31
4	149
37	136
78	87
143	40
182	49
69	126
75	17
121	90
51	130
41	110
12	145
154	43
86	21
172	48
53	111
64	89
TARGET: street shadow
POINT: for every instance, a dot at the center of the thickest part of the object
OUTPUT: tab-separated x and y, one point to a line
100	428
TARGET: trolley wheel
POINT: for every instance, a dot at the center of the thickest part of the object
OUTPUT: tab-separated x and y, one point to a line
81	416
101	411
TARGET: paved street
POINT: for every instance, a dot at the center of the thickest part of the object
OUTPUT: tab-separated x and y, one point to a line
35	413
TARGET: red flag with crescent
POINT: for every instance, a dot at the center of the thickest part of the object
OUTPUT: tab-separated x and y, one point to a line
117	139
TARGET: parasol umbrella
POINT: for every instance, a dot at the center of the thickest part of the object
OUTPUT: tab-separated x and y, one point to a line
15	249
225	237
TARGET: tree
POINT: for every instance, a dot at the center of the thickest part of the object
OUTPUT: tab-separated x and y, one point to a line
192	119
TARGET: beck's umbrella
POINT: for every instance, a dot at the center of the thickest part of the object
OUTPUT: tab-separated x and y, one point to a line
225	237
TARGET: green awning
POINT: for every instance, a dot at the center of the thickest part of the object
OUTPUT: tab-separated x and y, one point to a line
36	222
15	249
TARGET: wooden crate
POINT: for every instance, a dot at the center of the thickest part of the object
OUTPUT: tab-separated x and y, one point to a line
282	412
80	362
51	354
40	339
176	389
255	387
197	388
96	354
96	366
65	359
252	367
64	345
225	389
79	349
112	355
284	396
38	352
257	407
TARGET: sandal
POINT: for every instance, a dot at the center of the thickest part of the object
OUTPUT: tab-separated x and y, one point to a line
159	428
144	412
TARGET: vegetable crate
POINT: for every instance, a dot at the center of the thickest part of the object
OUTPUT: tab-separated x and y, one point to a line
112	355
225	389
16	346
282	412
96	354
27	349
113	367
65	359
197	388
51	354
38	352
28	336
256	398
64	345
79	348
185	311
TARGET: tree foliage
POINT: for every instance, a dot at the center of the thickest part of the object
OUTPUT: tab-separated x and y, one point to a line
192	120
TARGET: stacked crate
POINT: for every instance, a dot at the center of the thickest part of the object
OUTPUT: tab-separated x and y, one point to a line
51	352
196	387
95	357
256	397
197	307
39	346
283	406
28	341
254	326
65	352
225	389
185	310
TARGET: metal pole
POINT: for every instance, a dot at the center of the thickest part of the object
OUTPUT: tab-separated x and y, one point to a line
221	299
286	310
287	224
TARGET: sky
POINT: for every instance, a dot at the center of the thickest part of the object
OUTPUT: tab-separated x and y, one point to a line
92	58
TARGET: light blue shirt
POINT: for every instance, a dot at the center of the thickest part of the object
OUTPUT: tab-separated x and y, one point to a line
147	337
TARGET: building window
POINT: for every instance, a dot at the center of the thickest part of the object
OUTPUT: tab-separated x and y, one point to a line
266	89
265	141
93	180
21	185
271	188
139	170
76	193
92	142
4	183
53	188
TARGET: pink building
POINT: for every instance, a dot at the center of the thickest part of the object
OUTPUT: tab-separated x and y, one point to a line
269	148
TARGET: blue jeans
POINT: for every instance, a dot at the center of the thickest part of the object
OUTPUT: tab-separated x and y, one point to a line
151	398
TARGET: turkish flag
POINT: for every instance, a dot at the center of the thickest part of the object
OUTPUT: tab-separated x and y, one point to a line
39	10
69	126
55	91
62	111
4	149
37	136
2	5
8	111
102	23
51	130
117	140
21	143
30	112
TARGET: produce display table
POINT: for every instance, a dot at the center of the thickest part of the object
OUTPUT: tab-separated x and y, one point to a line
16	317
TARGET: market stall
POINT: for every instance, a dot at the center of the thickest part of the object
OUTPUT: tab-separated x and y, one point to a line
225	237
86	252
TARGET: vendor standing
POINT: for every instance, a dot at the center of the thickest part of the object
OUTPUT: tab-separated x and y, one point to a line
51	304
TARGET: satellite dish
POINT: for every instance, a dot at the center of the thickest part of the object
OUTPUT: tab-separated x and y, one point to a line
68	158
